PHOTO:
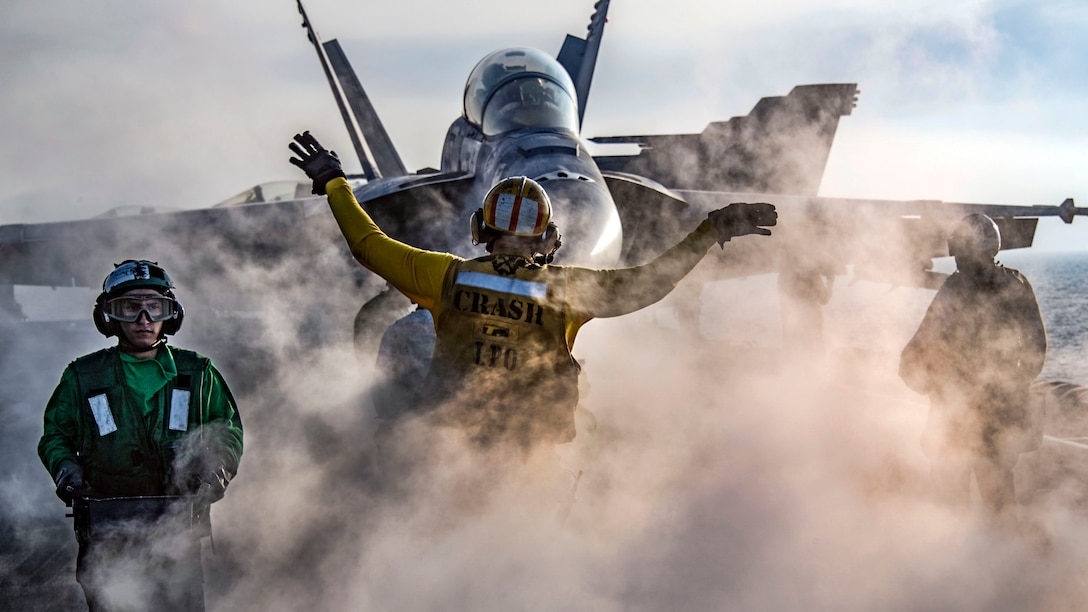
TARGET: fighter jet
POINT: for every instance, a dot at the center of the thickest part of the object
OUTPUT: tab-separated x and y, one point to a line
523	111
522	115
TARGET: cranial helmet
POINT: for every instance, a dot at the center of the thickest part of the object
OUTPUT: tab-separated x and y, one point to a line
517	205
976	235
137	274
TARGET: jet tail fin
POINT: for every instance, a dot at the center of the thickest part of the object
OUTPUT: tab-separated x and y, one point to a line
353	131
579	55
381	147
377	156
781	146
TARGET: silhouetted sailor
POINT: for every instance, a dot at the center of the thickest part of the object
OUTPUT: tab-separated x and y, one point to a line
975	354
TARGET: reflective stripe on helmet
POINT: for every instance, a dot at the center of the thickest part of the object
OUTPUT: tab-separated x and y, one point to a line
517	214
517	205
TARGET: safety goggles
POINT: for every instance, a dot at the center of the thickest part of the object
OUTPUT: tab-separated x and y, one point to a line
128	308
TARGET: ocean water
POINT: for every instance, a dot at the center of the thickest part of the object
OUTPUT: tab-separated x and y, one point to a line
1061	286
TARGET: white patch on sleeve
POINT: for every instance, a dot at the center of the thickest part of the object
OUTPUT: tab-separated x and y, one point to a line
100	408
179	410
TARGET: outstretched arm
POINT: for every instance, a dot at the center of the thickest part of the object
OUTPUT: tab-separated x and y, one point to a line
610	293
414	272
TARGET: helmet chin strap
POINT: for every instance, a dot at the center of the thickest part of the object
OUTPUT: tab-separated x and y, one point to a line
123	344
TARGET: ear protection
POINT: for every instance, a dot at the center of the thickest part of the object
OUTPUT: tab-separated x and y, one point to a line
481	233
549	243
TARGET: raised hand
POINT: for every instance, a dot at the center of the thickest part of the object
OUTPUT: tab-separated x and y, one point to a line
319	164
740	219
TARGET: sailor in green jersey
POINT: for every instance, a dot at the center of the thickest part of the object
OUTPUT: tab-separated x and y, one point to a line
506	322
136	420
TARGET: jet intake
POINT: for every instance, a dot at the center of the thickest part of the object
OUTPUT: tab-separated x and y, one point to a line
587	219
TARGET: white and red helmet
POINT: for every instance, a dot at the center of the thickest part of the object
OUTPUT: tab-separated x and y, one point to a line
516	205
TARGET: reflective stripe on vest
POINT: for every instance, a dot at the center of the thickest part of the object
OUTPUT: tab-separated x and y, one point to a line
503	284
179	409
103	417
97	373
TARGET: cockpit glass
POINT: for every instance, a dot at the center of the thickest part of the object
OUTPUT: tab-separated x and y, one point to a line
520	76
529	102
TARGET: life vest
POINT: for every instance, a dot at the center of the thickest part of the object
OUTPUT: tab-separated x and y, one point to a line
122	451
502	366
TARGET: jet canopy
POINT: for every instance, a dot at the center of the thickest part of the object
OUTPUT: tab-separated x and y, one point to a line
518	88
272	191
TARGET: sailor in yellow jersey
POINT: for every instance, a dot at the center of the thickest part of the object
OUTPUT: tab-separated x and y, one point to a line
506	322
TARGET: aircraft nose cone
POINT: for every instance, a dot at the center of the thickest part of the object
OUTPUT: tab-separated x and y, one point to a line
588	222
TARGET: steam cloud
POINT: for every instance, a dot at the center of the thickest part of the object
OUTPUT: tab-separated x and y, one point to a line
722	474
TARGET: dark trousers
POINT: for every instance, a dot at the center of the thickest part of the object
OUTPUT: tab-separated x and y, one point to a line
146	572
952	479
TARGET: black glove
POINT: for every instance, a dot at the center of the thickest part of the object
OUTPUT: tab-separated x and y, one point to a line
319	164
70	483
213	485
740	219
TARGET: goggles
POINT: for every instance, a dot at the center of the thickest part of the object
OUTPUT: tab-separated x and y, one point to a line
128	308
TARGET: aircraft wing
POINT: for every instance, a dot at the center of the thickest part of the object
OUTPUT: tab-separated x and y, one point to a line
264	223
424	210
777	153
212	240
891	241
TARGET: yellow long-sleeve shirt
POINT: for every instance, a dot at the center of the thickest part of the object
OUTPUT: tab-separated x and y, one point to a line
505	326
591	293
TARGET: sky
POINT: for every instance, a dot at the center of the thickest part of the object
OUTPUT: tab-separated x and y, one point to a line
110	103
